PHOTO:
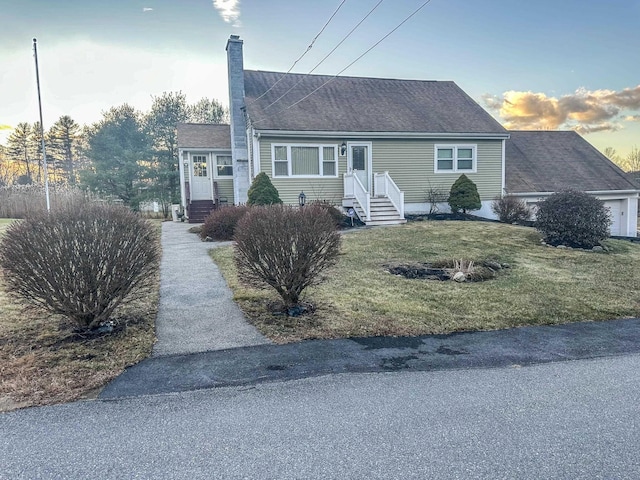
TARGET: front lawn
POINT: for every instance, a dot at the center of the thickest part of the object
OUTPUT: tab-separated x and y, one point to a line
42	361
361	298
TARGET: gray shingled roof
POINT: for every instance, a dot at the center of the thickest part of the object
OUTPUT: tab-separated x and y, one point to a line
204	135
549	161
357	104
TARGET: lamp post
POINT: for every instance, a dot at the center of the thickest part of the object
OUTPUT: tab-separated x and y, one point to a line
301	199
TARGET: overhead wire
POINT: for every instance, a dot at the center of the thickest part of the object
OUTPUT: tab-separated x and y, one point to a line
325	57
303	54
356	60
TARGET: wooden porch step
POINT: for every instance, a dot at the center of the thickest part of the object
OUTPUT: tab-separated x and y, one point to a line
382	212
198	210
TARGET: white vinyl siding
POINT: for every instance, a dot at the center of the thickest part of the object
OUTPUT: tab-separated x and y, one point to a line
455	158
304	160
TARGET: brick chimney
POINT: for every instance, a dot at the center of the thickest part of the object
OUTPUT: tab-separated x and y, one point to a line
239	151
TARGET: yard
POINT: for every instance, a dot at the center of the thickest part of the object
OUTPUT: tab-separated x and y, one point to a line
543	285
43	361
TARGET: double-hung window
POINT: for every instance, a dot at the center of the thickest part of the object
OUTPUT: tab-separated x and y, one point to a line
455	158
224	166
304	160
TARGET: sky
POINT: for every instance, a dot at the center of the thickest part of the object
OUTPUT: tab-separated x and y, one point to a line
534	64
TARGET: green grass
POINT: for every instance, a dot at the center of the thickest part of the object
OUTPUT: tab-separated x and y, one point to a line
360	298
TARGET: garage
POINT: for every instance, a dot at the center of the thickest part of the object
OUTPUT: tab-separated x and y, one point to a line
615	211
538	163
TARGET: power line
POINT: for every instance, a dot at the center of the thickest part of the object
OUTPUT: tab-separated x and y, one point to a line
322	61
357	59
304	53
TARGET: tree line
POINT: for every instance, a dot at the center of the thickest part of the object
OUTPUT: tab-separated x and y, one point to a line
630	163
128	154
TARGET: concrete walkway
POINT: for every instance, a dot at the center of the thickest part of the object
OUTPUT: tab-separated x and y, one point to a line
196	311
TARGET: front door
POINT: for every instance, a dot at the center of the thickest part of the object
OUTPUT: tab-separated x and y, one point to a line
200	178
359	160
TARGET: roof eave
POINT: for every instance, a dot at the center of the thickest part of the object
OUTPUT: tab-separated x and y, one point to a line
592	192
419	135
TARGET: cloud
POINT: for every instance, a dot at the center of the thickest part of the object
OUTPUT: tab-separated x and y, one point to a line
147	9
584	111
229	10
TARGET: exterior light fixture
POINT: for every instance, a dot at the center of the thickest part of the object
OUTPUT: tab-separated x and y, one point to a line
343	149
301	198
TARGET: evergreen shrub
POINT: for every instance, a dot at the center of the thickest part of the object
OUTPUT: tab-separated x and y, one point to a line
573	218
464	195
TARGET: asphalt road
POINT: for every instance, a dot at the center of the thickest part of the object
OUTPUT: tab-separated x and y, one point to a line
578	419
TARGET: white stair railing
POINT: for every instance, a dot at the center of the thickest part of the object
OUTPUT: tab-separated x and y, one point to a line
353	188
384	186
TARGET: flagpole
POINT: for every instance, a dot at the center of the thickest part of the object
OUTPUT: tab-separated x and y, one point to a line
44	151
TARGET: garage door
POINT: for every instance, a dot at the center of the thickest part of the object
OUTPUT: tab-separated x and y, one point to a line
615	210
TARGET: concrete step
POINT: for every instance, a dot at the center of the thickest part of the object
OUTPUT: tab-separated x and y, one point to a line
374	223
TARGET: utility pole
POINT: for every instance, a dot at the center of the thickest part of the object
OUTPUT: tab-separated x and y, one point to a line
44	151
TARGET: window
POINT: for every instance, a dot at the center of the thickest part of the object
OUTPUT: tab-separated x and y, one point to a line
199	165
455	158
303	160
224	165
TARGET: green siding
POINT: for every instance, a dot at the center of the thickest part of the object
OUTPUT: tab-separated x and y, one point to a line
328	189
225	188
410	163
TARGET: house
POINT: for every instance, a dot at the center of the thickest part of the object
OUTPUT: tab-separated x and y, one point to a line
539	163
206	168
372	144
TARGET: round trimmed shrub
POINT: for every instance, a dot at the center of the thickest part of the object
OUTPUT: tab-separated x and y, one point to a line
262	191
81	263
510	209
572	218
286	248
221	223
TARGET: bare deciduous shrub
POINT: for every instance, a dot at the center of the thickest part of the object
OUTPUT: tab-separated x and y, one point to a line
221	223
574	219
80	263
435	196
510	209
286	248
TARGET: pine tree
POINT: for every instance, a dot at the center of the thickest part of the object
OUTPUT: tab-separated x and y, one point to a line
20	147
464	195
262	191
64	139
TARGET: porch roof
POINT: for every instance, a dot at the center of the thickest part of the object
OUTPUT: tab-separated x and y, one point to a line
204	135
